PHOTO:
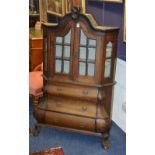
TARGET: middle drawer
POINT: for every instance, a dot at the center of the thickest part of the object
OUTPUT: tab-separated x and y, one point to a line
71	106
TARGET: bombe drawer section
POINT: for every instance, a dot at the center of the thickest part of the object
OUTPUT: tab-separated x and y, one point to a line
70	121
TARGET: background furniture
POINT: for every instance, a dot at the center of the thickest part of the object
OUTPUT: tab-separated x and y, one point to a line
36	48
79	4
110	1
79	68
33	19
36	85
34	14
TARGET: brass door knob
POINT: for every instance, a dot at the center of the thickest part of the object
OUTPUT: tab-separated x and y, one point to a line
82	125
59	104
85	92
59	89
55	120
84	108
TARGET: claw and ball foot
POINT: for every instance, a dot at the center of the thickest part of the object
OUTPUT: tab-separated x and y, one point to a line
35	132
105	141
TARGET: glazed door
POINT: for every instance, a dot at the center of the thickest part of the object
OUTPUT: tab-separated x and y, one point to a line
75	54
110	47
62	53
86	55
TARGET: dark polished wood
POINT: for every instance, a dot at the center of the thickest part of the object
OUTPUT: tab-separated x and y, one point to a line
79	100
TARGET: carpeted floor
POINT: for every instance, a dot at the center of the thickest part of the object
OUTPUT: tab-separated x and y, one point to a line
75	143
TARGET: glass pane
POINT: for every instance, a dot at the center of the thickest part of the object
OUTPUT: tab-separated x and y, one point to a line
58	51
91	54
92	42
58	66
107	68
109	50
58	39
67	37
66	51
82	53
83	38
109	44
82	68
91	69
66	67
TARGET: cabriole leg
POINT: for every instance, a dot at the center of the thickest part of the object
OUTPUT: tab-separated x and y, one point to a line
35	104
105	141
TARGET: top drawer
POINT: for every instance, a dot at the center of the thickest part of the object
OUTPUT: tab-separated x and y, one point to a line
36	43
79	92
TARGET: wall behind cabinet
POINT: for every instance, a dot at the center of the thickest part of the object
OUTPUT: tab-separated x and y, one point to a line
109	14
96	9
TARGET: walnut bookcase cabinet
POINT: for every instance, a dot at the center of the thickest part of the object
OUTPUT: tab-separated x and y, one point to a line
79	68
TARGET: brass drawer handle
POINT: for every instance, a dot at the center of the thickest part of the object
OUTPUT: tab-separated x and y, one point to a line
84	108
59	104
55	120
82	125
85	92
59	89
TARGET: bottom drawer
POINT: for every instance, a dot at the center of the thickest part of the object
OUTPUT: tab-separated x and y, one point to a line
70	121
102	125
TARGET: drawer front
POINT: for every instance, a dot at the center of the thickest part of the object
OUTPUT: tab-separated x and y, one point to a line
83	93
36	43
72	106
70	121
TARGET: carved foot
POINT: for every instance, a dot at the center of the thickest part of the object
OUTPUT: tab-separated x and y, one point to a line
37	130
30	132
34	132
106	144
105	141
